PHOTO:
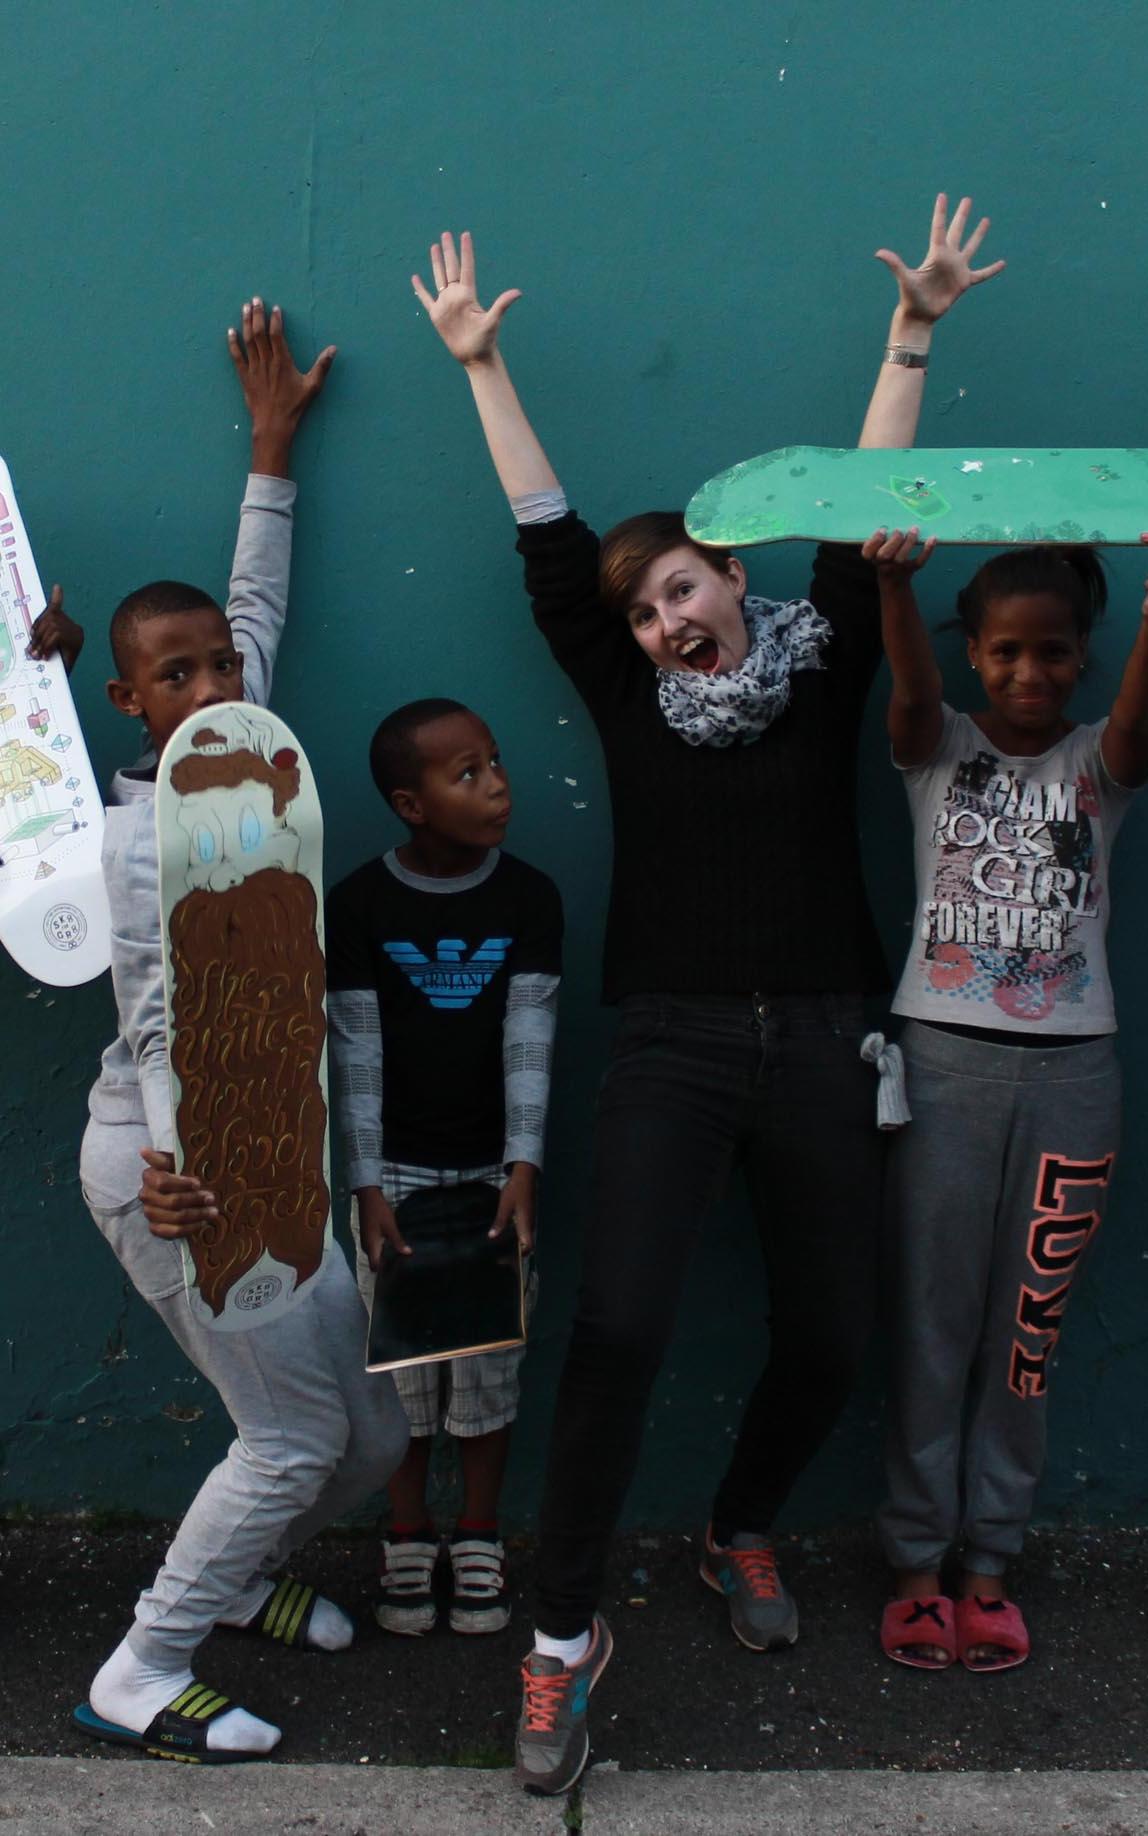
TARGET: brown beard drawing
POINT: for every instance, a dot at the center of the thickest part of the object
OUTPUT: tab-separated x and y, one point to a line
248	1033
248	1026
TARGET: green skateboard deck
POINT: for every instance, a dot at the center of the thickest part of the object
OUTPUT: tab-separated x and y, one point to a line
240	842
991	496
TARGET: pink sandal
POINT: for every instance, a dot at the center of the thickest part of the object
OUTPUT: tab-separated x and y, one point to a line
909	1625
991	1622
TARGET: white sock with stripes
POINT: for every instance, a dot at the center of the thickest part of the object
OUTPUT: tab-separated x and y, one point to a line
131	1693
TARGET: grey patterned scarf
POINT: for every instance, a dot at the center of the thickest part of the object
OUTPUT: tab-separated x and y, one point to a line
740	705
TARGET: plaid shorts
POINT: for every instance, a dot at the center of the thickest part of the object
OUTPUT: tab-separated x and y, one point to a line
466	1396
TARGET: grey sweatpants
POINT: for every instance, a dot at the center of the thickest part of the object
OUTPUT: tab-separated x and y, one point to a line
996	1189
315	1434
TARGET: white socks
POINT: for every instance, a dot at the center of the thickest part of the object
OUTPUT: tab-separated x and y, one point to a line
330	1628
570	1650
131	1693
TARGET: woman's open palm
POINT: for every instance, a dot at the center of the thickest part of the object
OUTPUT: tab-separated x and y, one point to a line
927	292
469	331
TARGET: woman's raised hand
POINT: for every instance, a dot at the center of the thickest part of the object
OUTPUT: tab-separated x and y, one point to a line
469	331
927	292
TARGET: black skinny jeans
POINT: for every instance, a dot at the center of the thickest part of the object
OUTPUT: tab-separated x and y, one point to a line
695	1087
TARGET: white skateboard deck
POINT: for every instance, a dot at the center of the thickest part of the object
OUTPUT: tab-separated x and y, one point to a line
53	907
240	845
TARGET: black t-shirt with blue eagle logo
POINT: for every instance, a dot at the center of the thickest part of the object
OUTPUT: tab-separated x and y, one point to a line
440	964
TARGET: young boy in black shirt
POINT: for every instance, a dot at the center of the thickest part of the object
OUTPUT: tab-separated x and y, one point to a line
444	958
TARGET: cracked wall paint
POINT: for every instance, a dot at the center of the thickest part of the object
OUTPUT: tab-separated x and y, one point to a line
652	358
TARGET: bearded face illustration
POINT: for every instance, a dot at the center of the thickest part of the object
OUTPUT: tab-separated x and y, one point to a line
248	983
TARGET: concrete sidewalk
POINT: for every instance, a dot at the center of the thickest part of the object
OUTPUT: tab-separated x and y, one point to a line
68	1797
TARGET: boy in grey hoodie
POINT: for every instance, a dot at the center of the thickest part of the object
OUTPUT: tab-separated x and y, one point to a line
314	1433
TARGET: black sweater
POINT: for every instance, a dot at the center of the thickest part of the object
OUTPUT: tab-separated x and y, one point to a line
736	869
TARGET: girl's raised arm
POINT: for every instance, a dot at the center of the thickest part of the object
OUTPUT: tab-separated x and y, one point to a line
915	718
470	333
926	294
1124	742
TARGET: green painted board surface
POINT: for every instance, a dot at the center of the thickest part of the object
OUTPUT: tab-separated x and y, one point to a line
978	495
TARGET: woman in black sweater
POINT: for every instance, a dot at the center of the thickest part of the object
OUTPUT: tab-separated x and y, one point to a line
740	947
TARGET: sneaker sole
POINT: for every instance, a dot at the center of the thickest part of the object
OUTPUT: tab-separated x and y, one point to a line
485	1619
534	1790
778	1641
531	1786
406	1624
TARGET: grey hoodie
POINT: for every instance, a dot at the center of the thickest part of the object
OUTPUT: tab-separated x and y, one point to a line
131	1097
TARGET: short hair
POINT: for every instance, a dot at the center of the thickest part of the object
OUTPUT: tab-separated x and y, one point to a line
1073	571
629	547
396	761
155	600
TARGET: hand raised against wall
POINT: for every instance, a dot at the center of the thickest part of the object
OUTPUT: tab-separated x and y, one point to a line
928	291
469	330
277	393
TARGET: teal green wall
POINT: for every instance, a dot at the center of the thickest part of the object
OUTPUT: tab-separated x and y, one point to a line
689	197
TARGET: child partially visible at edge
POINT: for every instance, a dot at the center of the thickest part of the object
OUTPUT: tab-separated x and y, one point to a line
314	1434
432	1095
1000	1183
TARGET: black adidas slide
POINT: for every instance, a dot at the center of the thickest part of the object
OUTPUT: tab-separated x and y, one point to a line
178	1732
286	1614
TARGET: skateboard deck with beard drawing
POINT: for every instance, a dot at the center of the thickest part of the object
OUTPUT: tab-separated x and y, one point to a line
240	844
54	915
981	495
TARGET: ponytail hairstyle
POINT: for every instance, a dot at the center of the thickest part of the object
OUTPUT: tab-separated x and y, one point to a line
1073	572
629	547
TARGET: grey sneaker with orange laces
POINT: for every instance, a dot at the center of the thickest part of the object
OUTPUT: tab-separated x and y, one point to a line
762	1612
553	1742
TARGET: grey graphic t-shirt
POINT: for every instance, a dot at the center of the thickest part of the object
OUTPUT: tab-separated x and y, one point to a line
1012	884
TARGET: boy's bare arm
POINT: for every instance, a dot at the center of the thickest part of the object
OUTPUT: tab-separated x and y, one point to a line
277	393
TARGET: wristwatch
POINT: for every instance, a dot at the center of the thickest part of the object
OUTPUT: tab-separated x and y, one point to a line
907	359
